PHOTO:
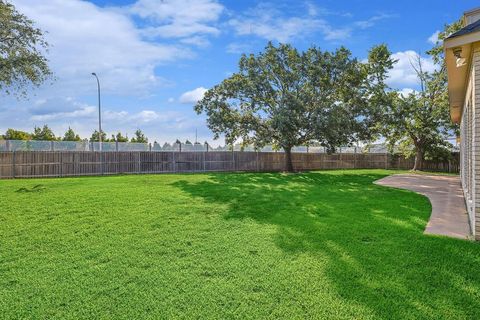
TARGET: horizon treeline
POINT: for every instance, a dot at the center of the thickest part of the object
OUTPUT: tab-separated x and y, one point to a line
45	133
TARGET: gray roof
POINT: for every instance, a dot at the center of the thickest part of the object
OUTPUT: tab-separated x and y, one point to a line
471	28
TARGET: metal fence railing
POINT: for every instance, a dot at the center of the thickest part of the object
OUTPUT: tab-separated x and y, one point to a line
37	145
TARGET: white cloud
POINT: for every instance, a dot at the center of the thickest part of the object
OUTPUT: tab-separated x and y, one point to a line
72	109
83	112
192	96
148	116
198	41
404	92
87	38
265	21
60	114
403	74
179	18
112	42
312	9
364	24
434	37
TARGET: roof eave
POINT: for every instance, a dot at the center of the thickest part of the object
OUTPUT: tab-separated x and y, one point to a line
458	75
462	40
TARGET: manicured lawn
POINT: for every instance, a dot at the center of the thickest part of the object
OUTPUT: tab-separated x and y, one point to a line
323	245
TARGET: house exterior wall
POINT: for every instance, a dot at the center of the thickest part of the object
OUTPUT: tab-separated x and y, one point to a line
470	145
475	153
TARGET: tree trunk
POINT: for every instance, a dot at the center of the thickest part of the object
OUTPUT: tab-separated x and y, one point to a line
418	160
288	159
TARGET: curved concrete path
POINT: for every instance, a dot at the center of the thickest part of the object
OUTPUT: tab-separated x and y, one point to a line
449	213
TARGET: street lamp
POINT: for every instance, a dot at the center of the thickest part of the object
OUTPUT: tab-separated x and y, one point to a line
99	114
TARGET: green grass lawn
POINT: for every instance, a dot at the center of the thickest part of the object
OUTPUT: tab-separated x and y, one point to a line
328	245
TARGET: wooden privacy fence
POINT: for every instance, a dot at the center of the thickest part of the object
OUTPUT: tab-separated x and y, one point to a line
28	164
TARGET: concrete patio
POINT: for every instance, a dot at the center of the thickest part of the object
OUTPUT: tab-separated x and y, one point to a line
449	213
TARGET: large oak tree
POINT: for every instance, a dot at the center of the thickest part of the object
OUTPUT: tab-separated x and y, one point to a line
22	52
288	98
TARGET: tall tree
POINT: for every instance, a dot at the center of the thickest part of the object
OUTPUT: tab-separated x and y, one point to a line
22	47
285	97
119	137
139	137
419	123
70	135
95	136
44	133
12	134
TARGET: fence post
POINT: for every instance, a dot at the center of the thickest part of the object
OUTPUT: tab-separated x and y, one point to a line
13	164
339	163
101	163
355	158
139	163
61	164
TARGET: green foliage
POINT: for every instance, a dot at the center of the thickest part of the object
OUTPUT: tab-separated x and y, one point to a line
12	134
22	62
70	135
119	137
139	137
319	245
286	98
419	124
438	52
44	134
95	136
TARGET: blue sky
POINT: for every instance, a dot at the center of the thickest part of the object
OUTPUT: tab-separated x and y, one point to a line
155	58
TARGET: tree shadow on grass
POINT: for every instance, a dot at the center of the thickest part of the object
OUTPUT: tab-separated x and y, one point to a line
371	237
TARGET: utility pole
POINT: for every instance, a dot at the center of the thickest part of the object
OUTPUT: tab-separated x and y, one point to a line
99	114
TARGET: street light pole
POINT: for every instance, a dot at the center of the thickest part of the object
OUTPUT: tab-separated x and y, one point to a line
99	114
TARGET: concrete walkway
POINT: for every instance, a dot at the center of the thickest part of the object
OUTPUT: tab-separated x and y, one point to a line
449	214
